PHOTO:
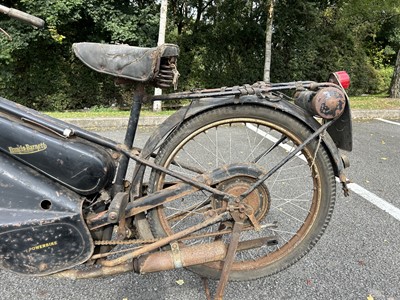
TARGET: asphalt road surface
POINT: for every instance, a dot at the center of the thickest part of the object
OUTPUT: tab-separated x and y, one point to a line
358	256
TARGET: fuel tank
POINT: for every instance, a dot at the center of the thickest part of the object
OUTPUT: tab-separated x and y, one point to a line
79	165
42	229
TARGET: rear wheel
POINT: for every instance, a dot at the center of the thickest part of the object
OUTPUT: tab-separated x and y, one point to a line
298	199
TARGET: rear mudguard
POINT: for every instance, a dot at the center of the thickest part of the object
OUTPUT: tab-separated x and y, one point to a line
339	133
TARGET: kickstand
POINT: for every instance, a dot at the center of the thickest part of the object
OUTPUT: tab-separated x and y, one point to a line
229	259
206	288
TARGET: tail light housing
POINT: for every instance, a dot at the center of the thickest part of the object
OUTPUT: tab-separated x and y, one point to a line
340	78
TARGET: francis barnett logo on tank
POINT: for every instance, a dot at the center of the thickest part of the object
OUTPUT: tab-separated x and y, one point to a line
27	149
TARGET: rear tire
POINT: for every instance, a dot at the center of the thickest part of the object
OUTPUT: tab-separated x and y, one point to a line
300	196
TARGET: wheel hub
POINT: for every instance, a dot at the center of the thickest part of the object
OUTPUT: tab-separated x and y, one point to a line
258	200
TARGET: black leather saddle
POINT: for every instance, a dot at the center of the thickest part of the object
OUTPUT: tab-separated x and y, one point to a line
156	65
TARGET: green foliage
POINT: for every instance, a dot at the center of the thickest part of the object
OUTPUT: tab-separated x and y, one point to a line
37	66
222	43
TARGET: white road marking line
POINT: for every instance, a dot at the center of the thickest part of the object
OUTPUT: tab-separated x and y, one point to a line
359	190
377	201
274	140
387	121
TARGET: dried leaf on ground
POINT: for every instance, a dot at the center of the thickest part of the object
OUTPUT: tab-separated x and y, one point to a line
180	282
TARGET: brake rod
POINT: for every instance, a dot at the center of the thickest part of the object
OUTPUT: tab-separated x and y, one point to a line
286	159
283	138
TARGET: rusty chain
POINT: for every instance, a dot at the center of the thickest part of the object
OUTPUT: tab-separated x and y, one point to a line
124	242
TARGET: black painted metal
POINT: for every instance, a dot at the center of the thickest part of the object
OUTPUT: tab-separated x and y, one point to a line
30	115
129	137
42	230
76	163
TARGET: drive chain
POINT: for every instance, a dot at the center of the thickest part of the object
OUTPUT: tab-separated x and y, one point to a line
124	242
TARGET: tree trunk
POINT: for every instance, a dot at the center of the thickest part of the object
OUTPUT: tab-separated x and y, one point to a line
161	40
395	86
268	42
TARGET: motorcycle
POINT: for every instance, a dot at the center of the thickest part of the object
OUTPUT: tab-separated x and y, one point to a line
237	185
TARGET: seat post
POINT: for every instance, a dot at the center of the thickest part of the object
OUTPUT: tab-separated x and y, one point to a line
129	136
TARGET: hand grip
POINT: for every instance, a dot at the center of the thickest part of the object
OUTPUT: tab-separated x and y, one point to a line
20	15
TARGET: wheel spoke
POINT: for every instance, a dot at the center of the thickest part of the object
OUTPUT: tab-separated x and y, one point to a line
292	199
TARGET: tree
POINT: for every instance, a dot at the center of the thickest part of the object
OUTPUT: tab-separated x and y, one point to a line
161	40
223	42
268	42
395	85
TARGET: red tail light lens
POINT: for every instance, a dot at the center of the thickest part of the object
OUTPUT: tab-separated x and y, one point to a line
340	77
344	79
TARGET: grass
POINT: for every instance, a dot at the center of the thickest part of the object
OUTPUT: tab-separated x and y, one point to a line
371	102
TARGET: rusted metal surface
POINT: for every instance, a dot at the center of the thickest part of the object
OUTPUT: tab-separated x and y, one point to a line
164	241
221	232
117	207
143	204
206	288
188	256
95	272
255	206
176	255
42	223
163	261
257	243
230	257
328	102
260	89
179	190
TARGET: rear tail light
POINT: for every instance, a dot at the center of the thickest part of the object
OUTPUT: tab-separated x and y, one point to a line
341	78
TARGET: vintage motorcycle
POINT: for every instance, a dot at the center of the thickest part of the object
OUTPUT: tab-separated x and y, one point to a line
237	185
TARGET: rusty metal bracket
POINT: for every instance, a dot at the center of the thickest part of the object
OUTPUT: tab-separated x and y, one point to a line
164	241
176	255
249	211
230	256
117	207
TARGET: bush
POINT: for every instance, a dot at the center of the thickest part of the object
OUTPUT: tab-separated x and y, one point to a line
385	75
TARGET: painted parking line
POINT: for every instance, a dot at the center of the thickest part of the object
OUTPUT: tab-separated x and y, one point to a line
375	200
387	121
359	190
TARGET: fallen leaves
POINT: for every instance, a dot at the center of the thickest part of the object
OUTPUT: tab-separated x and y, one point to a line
180	282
